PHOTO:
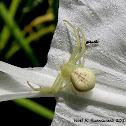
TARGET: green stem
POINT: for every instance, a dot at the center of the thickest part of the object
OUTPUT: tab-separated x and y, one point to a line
5	34
35	107
16	32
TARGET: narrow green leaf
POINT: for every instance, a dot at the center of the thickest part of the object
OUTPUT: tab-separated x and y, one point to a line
35	107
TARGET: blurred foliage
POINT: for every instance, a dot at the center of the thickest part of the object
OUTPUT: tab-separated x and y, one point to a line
35	19
26	31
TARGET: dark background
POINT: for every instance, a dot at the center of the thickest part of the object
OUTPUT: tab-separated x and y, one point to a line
11	113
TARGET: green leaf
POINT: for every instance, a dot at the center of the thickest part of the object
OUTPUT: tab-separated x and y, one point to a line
35	107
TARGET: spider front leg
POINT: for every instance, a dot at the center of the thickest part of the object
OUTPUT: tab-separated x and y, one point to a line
55	87
83	47
73	57
77	39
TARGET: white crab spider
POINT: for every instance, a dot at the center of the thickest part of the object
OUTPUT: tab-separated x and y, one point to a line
79	78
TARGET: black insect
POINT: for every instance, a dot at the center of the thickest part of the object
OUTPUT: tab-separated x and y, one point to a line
95	41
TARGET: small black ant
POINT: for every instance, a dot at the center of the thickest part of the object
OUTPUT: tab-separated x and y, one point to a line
95	41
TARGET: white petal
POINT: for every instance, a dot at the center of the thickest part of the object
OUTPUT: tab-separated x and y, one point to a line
69	109
105	21
13	81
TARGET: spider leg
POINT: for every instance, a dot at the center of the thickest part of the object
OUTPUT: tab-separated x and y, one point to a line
54	89
68	82
58	86
96	70
83	47
78	42
73	89
43	91
82	64
59	77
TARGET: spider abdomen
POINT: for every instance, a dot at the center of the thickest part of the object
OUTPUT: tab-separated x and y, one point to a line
83	79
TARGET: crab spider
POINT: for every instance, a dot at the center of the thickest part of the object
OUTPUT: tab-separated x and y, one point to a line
79	78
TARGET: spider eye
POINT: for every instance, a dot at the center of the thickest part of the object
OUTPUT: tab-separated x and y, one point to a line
83	79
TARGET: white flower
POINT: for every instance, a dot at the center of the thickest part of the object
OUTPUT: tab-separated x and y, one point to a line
102	20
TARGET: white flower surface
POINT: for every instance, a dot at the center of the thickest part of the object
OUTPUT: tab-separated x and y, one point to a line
104	21
100	20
